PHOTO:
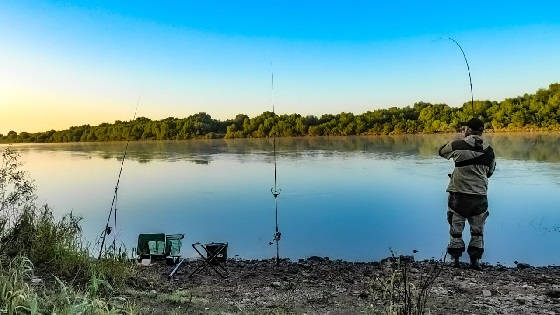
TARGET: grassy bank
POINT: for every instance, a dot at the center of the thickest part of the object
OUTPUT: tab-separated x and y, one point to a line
44	266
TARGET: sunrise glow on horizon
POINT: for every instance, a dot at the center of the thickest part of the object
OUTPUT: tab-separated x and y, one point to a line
65	64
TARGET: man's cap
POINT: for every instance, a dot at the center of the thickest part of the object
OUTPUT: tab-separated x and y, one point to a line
475	124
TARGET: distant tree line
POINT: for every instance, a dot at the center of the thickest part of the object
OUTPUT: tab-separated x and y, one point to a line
528	112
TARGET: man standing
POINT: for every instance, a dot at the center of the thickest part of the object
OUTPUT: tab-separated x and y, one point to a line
474	164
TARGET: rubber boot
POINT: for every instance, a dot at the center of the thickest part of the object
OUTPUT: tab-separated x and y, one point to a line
456	262
474	264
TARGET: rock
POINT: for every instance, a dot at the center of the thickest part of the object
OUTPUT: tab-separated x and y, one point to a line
386	261
317	286
36	280
521	265
553	293
315	259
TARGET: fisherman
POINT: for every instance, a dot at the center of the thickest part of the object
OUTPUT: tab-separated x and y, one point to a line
474	164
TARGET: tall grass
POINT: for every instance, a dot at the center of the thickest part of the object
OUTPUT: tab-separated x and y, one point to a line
16	295
44	265
19	295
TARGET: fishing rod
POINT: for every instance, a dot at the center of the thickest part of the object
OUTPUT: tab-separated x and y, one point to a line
468	70
113	209
275	190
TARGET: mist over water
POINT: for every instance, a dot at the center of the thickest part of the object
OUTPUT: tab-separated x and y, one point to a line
352	198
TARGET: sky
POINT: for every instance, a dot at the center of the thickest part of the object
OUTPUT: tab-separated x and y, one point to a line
65	63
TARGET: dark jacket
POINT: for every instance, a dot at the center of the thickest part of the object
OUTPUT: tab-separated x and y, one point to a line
474	164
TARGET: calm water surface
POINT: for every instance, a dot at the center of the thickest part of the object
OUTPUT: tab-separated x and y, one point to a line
352	198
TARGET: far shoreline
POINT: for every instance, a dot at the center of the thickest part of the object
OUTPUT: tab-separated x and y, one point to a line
520	131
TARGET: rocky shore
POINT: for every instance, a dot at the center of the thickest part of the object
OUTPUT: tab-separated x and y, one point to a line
319	285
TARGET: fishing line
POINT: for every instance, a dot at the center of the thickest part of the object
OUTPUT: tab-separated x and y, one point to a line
468	70
113	208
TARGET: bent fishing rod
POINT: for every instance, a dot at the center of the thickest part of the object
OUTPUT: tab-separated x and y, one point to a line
113	209
468	70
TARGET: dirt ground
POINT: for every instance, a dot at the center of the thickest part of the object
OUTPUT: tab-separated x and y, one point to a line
318	286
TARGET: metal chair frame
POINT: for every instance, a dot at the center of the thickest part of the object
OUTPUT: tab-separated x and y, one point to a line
210	261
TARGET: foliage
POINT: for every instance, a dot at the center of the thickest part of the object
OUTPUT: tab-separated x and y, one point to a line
528	112
17	192
32	240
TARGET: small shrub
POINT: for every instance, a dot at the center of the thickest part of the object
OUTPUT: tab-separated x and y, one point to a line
115	270
402	294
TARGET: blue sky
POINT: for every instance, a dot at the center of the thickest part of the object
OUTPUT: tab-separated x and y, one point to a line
69	63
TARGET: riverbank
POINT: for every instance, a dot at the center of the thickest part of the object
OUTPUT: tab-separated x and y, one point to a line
504	131
318	286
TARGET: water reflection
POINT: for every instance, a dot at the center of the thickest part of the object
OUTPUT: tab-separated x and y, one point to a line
343	197
542	147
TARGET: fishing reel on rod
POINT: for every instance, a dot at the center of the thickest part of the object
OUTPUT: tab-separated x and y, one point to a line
276	238
275	192
110	249
277	235
100	243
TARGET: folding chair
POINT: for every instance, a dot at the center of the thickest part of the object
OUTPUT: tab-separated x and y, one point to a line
173	247
159	245
216	258
151	245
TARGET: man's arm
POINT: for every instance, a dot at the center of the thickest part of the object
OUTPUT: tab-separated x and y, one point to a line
492	169
446	151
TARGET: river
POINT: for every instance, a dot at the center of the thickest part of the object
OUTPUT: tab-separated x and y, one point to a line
352	198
